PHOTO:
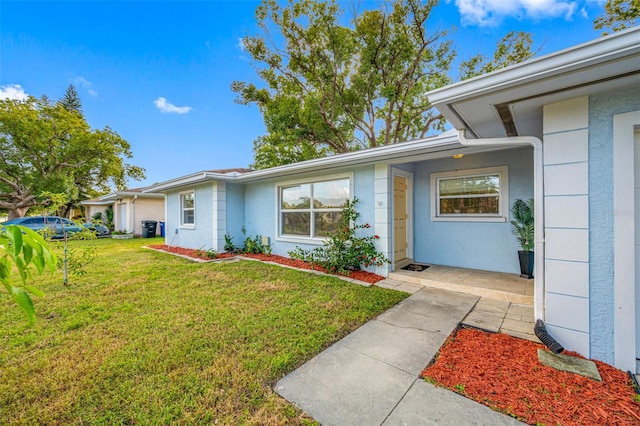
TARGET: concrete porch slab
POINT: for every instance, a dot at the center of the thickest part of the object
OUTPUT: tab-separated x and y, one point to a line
486	284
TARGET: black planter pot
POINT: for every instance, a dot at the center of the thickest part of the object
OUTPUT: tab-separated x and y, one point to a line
526	264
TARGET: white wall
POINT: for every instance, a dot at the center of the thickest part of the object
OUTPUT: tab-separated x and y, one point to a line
566	189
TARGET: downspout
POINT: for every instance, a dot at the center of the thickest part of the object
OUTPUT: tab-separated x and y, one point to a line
133	214
538	198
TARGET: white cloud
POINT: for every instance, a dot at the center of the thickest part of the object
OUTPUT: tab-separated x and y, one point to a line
13	91
85	84
491	12
166	107
241	44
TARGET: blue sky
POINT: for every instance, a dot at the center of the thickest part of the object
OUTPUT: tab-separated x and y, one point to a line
159	72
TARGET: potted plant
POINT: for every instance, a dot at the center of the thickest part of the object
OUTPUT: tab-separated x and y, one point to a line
523	228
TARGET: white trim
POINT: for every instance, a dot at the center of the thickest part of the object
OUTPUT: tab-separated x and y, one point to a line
409	177
166	219
538	196
181	218
624	336
310	180
503	206
542	70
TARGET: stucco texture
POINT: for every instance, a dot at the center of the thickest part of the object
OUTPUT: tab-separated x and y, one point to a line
602	108
477	245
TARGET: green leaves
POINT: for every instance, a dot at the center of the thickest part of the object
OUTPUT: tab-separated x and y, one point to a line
50	147
522	225
20	249
619	14
335	83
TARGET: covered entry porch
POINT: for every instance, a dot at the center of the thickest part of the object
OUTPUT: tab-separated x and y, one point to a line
493	285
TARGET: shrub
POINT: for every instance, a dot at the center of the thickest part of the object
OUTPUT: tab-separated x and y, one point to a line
344	251
252	245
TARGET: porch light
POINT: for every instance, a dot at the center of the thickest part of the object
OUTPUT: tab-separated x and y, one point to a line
457	156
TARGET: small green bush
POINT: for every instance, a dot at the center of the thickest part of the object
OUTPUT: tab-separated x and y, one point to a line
344	251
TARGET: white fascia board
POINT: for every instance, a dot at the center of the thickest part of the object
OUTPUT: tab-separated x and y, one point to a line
121	194
193	179
388	153
604	50
94	203
404	150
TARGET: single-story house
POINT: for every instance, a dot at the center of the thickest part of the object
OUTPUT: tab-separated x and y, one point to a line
130	208
562	129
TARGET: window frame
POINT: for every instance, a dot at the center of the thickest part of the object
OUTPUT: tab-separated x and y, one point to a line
182	195
280	236
503	194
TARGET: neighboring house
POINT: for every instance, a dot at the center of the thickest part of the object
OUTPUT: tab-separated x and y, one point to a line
130	208
562	128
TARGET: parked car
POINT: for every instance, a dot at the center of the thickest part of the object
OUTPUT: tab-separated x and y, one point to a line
100	230
57	226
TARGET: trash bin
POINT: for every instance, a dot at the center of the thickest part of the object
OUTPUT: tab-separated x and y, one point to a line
162	229
149	228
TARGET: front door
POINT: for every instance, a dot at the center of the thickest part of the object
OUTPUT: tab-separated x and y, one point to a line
122	219
400	218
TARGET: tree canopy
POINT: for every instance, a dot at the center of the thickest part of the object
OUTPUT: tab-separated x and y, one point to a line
618	15
47	148
331	87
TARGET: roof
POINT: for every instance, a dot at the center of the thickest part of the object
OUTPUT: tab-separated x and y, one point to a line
509	101
113	196
436	146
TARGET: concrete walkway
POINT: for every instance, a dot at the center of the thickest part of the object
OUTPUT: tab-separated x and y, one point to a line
371	376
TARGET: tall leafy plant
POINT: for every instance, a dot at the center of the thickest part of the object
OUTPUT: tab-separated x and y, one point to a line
346	249
21	251
522	225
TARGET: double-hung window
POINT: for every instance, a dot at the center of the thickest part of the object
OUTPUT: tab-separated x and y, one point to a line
188	209
470	195
311	209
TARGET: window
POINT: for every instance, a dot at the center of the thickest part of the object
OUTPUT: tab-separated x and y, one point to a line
312	209
480	195
187	208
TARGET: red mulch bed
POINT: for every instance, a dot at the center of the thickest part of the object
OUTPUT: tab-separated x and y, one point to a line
504	373
365	276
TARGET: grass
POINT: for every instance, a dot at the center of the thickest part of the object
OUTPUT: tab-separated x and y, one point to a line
150	338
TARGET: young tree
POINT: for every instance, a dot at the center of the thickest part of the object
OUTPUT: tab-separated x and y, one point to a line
618	15
332	88
46	148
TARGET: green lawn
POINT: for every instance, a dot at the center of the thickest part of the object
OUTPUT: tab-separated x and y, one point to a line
149	338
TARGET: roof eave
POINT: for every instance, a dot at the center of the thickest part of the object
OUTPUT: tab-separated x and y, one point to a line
592	53
404	150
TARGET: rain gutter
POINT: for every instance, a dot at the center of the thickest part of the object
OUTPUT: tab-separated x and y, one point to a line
538	197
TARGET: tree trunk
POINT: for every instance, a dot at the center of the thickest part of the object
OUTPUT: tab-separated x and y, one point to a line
17	212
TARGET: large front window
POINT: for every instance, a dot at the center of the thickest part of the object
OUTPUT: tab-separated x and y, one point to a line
187	208
479	194
312	209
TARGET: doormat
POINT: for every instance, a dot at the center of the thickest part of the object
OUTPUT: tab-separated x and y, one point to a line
418	267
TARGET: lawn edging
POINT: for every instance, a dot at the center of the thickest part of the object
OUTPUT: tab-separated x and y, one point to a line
239	257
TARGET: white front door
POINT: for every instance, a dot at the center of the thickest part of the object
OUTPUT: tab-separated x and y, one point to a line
122	216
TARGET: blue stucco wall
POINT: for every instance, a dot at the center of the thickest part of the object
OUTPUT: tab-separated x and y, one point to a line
602	108
261	199
235	211
201	235
477	245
